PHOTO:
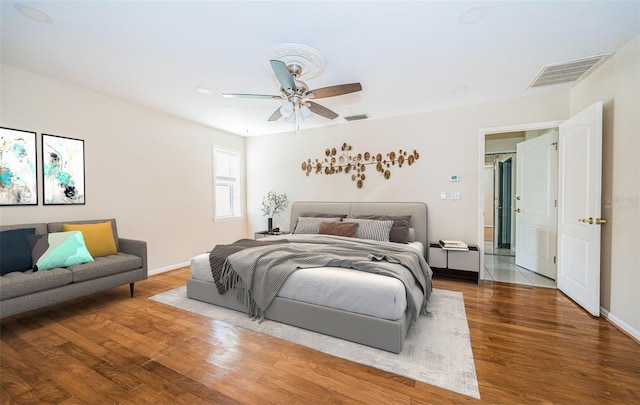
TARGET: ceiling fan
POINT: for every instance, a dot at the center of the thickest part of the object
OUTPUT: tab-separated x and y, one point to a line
298	95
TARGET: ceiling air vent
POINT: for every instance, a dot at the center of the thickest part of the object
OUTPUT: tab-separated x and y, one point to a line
565	72
356	117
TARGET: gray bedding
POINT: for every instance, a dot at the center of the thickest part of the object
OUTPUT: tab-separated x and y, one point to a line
258	273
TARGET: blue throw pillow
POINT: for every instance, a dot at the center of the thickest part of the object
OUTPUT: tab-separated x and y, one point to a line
58	249
15	253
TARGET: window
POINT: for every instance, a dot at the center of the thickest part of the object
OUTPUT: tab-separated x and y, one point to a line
227	192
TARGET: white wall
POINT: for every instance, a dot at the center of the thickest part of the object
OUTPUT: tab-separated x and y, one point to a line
617	84
446	140
149	170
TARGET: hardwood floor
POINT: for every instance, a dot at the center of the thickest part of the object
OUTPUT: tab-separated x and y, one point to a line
531	345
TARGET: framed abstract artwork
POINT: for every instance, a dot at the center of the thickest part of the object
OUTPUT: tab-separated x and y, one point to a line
18	168
62	170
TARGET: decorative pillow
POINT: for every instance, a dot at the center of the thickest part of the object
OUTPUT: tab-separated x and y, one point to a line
372	229
400	229
58	249
311	225
338	228
412	235
15	253
98	237
319	215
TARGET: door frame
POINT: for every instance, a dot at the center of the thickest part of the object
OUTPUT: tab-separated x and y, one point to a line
482	133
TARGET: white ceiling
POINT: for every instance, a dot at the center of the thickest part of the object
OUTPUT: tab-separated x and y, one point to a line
410	57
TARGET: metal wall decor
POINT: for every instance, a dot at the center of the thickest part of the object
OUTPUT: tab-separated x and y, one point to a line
335	162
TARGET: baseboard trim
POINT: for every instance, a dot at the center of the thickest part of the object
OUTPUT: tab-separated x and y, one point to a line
168	268
621	325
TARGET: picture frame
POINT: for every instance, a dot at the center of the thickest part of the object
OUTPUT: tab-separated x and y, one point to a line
63	170
18	167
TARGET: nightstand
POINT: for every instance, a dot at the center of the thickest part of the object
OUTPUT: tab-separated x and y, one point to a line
455	263
262	234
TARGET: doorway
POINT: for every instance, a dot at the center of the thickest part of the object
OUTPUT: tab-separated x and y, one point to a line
499	231
499	188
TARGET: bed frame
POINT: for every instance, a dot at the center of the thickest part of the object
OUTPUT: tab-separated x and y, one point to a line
379	333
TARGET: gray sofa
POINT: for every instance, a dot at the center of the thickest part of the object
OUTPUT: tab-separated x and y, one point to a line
22	291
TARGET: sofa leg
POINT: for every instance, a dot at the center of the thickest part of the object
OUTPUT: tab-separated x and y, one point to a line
131	288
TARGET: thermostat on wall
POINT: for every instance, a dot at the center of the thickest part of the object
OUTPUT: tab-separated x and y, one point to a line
454	177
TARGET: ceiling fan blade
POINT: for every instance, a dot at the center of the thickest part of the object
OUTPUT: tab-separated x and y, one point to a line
332	91
276	115
238	95
320	110
282	73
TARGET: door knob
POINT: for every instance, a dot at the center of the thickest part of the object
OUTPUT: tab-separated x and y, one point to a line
587	220
517	209
601	221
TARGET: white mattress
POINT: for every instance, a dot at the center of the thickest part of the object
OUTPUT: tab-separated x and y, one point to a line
339	288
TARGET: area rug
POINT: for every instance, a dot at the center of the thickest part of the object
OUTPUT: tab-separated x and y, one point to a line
436	351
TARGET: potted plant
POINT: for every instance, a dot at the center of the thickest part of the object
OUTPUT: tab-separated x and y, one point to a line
273	204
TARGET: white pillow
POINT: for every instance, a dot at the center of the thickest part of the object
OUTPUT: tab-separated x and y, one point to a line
372	229
308	225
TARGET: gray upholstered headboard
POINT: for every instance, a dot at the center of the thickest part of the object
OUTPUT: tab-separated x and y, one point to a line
417	210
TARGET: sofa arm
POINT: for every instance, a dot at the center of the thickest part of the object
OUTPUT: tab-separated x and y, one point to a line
135	247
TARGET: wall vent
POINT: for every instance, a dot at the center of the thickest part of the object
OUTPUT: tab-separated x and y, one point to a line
356	117
565	72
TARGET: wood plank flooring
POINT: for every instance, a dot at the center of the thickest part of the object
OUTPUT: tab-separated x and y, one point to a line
531	345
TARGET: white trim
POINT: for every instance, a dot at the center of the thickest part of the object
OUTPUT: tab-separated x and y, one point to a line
168	268
482	133
620	324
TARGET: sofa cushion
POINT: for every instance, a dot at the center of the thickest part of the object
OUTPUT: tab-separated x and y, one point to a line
20	283
57	227
58	249
98	237
105	266
15	253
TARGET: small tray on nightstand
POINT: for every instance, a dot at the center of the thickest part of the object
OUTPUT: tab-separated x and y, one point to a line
262	234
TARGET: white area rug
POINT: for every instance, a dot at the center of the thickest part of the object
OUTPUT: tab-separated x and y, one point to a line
437	349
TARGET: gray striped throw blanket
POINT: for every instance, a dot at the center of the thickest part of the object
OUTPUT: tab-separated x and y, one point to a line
257	273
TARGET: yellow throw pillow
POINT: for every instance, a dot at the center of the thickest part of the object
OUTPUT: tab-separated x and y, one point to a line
98	237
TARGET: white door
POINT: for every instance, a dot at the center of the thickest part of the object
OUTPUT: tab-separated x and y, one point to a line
579	201
535	205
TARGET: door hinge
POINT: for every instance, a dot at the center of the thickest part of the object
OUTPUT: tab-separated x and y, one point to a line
554	260
555	203
555	145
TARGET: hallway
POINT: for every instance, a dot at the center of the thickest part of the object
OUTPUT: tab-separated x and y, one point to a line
500	265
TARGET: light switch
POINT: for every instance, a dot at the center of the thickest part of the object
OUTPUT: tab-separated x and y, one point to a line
443	195
455	195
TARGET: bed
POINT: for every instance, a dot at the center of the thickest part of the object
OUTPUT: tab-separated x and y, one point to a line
316	298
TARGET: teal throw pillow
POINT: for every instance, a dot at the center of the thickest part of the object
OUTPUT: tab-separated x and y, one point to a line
58	249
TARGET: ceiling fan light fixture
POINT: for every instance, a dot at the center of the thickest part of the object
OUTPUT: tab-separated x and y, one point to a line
286	110
305	112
